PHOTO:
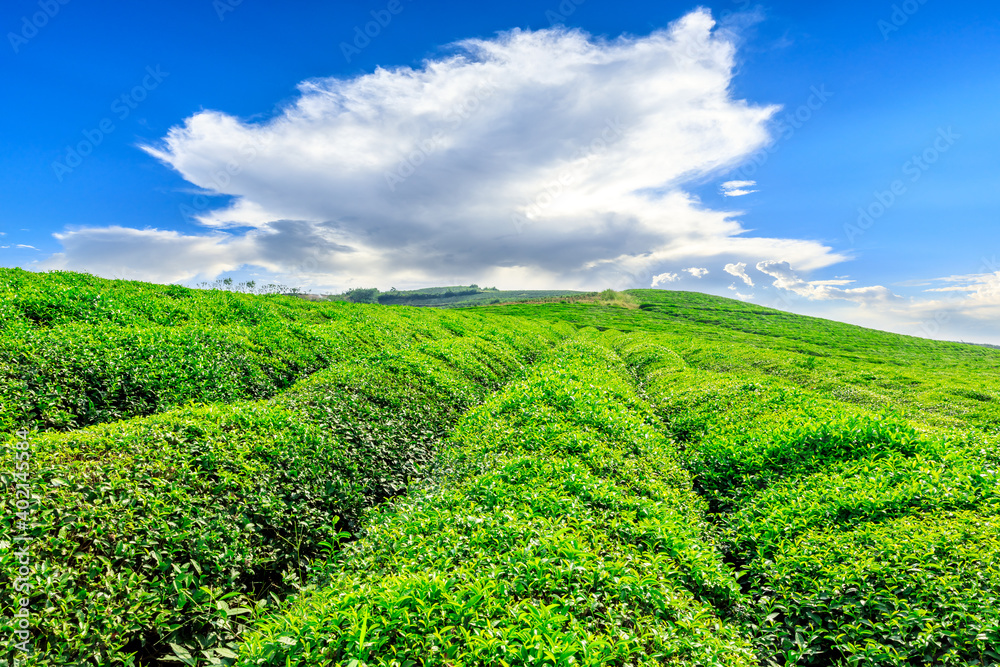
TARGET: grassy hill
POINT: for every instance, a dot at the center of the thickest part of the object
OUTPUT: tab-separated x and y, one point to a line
457	296
200	477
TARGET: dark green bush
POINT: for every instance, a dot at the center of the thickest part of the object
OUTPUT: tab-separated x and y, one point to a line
362	295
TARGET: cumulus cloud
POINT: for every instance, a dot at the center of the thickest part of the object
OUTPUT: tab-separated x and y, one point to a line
823	290
664	278
740	271
697	272
538	158
738	188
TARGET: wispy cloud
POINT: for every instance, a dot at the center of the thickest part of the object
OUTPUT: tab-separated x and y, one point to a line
785	278
975	296
962	307
738	188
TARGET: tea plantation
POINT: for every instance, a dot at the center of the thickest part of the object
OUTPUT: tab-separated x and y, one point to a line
198	477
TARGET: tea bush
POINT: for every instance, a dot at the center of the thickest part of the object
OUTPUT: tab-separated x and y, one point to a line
744	435
160	536
265	480
77	350
564	532
890	562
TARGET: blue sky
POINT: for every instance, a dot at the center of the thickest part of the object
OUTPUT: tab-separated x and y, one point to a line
823	111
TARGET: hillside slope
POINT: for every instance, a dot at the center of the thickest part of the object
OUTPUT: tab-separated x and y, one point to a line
949	384
687	480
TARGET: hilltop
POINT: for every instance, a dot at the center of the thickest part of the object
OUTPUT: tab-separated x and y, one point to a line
456	296
631	478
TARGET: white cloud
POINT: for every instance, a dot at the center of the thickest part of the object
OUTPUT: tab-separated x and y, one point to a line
973	282
738	188
147	254
964	307
976	296
527	159
823	290
697	272
29	247
664	278
740	271
168	256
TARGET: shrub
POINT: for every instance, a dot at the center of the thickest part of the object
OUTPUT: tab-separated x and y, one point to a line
564	532
362	295
889	562
163	535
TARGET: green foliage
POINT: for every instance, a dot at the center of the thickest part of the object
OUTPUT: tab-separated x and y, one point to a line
76	350
73	375
362	295
852	472
167	534
564	532
744	436
870	369
893	562
225	478
249	287
459	296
